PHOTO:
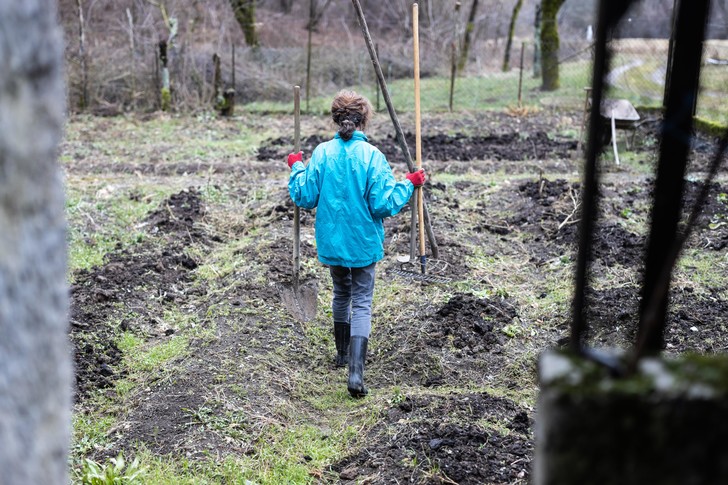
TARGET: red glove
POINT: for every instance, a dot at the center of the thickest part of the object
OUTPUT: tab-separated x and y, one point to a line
293	158
417	178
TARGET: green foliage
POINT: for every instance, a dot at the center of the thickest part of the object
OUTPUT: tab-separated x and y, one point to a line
115	472
512	330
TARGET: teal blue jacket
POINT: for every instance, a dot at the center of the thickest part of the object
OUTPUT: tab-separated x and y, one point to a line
352	185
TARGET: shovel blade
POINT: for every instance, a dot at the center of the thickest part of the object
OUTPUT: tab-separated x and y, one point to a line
300	300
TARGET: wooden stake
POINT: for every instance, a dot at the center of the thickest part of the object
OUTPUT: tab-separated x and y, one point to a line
520	75
296	210
311	14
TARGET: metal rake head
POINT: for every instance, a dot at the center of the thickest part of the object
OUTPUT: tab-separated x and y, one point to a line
435	269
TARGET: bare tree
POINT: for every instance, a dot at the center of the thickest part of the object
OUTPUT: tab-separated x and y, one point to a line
511	29
35	364
317	10
82	56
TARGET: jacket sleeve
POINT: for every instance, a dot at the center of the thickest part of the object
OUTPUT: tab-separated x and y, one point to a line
386	196
304	182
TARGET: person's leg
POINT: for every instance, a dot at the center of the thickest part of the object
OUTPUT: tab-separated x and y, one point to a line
341	310
362	293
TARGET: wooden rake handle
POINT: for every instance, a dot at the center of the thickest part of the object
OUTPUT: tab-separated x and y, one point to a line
418	135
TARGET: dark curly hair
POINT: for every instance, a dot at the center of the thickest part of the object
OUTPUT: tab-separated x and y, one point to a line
350	111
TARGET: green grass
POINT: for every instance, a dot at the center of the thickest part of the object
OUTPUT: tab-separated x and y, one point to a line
105	217
294	454
141	357
497	91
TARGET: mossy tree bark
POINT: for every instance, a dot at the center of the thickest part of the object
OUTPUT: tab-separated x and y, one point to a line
511	29
244	11
550	45
537	43
467	40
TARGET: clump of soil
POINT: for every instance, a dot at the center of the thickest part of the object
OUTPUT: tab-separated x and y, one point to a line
473	323
176	217
442	147
443	439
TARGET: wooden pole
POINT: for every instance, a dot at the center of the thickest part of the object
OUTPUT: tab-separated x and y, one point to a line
311	14
296	210
520	75
395	121
376	83
453	72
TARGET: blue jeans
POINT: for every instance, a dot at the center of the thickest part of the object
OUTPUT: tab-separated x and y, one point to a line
353	293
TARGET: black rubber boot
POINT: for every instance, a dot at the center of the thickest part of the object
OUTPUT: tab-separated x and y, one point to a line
341	337
357	357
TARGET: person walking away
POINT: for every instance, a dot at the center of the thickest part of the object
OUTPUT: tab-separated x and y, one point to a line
354	189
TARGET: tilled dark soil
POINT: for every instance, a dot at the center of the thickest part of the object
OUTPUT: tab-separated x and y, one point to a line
442	147
461	341
695	323
445	439
139	281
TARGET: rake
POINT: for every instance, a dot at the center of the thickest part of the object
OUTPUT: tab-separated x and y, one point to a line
407	269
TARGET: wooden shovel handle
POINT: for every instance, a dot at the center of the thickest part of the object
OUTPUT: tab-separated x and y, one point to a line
296	210
418	125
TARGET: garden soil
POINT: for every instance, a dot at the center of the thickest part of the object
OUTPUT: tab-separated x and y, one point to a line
459	361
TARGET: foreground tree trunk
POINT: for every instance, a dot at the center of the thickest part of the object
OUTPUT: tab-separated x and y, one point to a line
35	367
550	45
244	11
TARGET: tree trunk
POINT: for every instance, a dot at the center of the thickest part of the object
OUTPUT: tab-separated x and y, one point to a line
511	29
244	11
550	45
217	82
286	5
537	43
165	90
82	56
469	28
317	14
35	364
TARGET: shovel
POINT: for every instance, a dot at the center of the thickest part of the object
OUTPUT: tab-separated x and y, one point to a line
301	296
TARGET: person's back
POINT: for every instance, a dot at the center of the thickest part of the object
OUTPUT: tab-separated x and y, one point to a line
351	184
